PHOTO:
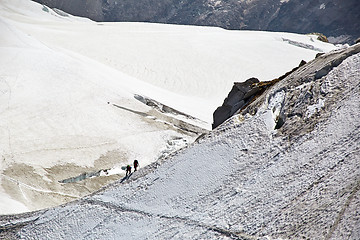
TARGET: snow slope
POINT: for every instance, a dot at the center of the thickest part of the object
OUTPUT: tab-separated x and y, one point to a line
244	180
67	88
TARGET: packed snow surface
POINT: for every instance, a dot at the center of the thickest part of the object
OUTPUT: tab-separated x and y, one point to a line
67	87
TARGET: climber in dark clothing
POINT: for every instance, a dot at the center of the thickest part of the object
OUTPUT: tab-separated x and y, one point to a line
136	164
128	170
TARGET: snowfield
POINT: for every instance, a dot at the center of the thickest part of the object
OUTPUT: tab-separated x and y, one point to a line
67	104
241	181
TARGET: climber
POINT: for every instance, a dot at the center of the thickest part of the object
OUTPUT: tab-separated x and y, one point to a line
128	170
136	164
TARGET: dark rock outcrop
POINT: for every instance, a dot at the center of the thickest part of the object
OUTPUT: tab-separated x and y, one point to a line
240	95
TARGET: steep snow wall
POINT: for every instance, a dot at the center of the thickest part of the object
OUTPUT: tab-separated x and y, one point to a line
244	180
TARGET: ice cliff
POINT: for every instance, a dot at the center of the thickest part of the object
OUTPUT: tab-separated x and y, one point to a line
250	178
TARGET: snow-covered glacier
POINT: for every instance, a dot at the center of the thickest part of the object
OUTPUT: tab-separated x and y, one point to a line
243	180
72	94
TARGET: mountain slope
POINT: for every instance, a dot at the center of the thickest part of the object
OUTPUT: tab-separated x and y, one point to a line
336	19
244	180
79	97
340	21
